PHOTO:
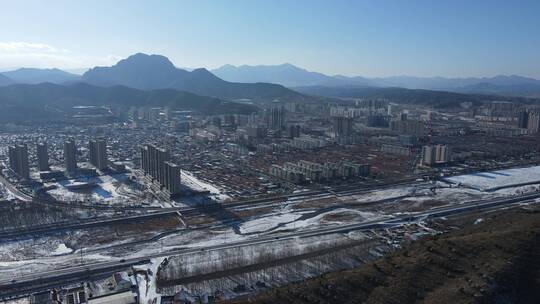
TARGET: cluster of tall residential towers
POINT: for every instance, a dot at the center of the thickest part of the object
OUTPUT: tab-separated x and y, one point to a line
155	163
18	157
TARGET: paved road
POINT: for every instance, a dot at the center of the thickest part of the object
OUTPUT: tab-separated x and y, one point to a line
79	272
9	235
16	192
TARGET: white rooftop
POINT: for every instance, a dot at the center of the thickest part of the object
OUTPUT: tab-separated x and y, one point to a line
490	181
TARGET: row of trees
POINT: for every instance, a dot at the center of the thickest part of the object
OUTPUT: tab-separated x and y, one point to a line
277	275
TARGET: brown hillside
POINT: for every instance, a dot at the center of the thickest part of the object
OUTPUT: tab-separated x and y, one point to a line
495	261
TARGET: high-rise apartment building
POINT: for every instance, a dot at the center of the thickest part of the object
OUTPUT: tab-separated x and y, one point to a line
442	154
428	155
155	163
70	155
162	156
438	154
412	127
293	131
533	122
172	177
42	156
18	160
98	153
342	126
277	118
523	119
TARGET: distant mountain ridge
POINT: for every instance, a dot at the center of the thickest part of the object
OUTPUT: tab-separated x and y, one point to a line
435	98
4	80
285	74
34	76
42	102
291	76
260	82
149	72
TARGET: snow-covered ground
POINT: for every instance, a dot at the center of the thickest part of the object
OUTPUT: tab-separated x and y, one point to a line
384	194
489	181
62	249
201	262
146	281
5	194
105	188
192	182
14	252
110	189
17	301
55	251
266	223
335	217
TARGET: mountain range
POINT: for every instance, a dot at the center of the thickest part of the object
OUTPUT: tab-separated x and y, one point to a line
154	72
284	74
292	76
34	76
4	80
433	98
47	101
150	72
270	83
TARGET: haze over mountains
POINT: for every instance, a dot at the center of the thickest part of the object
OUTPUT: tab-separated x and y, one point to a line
285	74
140	80
48	102
4	80
261	82
148	72
153	72
34	76
293	76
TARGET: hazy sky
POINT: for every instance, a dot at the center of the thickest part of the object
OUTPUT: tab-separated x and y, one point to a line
369	38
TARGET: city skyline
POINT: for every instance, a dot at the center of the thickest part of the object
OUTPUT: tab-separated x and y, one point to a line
419	38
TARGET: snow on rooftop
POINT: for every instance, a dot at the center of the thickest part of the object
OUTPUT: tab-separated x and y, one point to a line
490	181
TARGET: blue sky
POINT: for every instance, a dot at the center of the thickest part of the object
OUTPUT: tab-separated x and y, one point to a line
369	38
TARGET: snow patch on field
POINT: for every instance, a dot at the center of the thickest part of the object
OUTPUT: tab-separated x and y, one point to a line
18	301
379	195
12	263
62	249
353	216
110	189
217	238
5	194
268	222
